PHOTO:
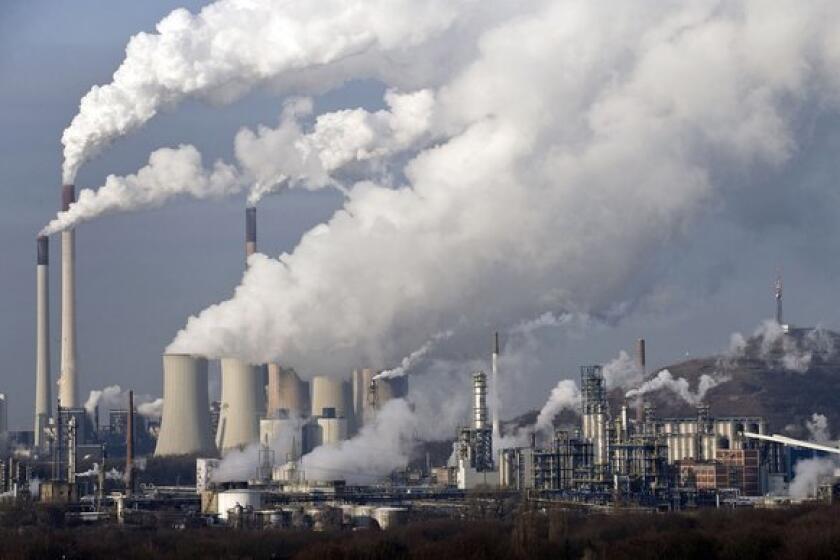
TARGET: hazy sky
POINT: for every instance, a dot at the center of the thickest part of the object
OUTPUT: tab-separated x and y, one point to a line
140	275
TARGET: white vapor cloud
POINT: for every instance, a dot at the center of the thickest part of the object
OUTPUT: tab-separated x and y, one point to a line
818	428
573	142
565	396
807	475
678	386
231	47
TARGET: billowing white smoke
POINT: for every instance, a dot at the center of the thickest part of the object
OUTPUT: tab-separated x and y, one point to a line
381	446
680	387
565	396
623	372
576	144
268	159
114	397
808	474
778	349
170	172
411	360
289	154
151	410
818	428
231	47
242	464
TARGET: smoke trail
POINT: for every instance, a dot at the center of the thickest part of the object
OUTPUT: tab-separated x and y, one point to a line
818	428
231	47
808	473
151	410
268	159
411	360
565	396
623	372
680	387
778	349
552	187
170	172
114	397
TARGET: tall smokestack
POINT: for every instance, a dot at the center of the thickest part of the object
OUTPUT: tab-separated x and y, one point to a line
68	383
250	231
641	359
497	430
43	400
129	447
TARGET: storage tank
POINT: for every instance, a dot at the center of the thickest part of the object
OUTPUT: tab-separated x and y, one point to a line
185	422
286	392
229	499
329	393
242	405
389	517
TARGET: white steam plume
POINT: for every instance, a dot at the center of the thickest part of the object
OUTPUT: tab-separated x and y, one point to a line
818	428
232	47
114	397
577	143
381	447
771	344
679	386
808	474
565	396
411	360
170	172
268	159
240	465
623	372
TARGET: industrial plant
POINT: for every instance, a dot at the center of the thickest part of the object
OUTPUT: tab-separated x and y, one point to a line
246	455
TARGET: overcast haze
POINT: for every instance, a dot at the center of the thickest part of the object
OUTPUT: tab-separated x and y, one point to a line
141	275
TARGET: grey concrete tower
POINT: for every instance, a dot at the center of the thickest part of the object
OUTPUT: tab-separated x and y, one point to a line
68	384
43	400
185	423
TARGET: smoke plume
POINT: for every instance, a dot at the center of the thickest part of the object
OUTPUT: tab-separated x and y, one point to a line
808	474
567	157
664	380
818	428
565	396
623	372
114	397
409	361
778	349
230	48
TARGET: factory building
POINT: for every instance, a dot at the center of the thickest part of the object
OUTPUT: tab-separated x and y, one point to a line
473	450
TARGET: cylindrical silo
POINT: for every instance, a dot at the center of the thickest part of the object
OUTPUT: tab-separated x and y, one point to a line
242	407
43	400
329	393
185	423
286	392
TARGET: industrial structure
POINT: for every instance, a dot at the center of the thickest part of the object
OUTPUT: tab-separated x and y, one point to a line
43	399
68	383
185	423
243	404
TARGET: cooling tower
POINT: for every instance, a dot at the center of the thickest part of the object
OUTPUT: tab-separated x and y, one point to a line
250	231
185	423
43	400
68	384
329	393
286	392
362	411
331	430
243	403
390	388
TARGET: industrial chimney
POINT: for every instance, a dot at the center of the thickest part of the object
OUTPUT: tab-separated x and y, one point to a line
641	358
185	423
250	231
497	430
129	447
68	384
43	400
243	403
